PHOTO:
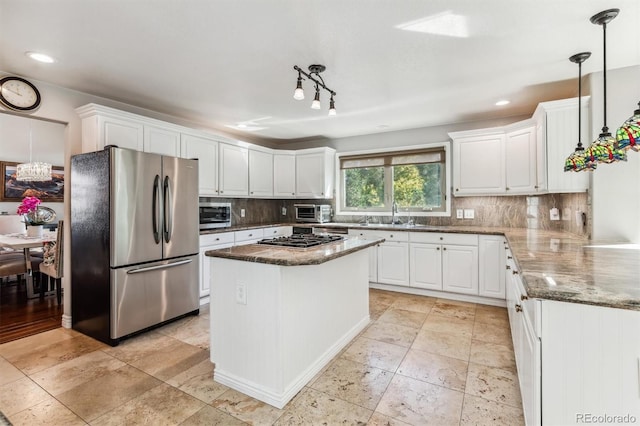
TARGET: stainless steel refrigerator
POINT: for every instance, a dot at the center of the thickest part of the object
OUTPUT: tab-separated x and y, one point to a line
134	241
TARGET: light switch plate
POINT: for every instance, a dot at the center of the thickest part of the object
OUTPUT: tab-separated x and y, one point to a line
284	211
554	214
241	294
242	212
459	214
469	213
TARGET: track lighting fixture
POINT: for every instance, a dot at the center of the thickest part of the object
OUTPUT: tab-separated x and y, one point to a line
314	75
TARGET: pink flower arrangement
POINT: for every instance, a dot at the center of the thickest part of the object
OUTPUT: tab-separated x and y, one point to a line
28	205
29	209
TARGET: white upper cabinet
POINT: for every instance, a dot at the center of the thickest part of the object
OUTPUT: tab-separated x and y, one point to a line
163	141
315	172
234	170
260	173
478	162
284	174
558	124
206	151
520	160
103	127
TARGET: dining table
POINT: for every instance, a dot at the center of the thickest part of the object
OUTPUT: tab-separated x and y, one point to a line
26	243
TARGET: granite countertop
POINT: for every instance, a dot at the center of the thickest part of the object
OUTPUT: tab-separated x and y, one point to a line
554	265
289	256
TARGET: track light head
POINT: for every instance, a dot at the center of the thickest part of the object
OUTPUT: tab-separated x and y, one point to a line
332	106
298	94
316	100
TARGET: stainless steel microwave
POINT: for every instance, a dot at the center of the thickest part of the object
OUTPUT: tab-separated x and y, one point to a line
215	215
314	213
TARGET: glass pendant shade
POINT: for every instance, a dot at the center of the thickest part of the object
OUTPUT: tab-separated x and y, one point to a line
605	150
298	94
577	162
33	172
628	135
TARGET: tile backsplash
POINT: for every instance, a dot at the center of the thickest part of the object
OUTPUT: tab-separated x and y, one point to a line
508	211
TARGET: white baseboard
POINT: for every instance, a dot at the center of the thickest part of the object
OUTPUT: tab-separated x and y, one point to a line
280	399
440	294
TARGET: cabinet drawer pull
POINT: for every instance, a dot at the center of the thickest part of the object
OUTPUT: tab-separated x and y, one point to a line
457	189
217	239
251	235
507	188
509	257
391	236
515	272
438	248
524	297
444	248
508	267
251	192
506	248
441	238
518	308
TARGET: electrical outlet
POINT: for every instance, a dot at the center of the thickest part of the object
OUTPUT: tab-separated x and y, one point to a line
242	212
284	211
469	213
459	214
554	214
241	294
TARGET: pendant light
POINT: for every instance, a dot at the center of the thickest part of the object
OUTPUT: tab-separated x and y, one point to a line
577	161
628	135
33	171
605	149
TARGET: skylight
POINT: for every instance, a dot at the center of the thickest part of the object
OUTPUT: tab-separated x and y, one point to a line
445	23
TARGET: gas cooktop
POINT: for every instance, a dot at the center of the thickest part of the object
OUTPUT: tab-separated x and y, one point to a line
301	240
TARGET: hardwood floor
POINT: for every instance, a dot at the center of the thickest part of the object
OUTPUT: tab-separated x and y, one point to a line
21	317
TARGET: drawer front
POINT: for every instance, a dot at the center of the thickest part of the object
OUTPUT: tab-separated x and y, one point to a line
249	234
366	234
444	238
277	231
213	239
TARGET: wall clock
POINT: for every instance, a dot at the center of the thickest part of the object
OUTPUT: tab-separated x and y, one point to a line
19	94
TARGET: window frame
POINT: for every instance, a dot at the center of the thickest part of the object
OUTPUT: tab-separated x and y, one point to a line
374	211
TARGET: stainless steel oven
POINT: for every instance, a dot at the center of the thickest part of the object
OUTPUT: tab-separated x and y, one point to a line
215	215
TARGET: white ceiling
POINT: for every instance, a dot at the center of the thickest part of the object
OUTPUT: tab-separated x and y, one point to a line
222	62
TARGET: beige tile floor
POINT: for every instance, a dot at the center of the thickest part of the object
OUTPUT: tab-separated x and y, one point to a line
421	361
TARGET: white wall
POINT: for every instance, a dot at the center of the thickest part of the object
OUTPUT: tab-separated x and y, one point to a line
616	187
47	140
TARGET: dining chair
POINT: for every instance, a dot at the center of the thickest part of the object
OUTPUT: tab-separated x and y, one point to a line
52	263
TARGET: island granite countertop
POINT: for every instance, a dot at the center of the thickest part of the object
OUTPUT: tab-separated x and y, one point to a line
554	265
291	256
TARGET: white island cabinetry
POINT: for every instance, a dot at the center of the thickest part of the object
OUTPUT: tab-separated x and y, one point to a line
275	326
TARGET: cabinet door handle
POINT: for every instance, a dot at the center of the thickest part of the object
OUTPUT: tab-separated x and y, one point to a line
251	192
509	257
515	272
507	188
457	189
524	297
293	193
508	267
222	192
444	248
506	248
438	248
441	238
536	187
518	308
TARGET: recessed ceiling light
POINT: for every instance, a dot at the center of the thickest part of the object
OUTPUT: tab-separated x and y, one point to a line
445	23
40	57
503	102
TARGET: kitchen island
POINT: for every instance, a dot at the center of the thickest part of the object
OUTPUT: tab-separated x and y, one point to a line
279	315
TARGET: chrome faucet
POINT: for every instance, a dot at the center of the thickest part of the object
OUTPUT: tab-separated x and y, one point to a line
394	211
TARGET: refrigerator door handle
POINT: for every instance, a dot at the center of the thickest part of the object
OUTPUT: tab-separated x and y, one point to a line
155	215
156	267
168	203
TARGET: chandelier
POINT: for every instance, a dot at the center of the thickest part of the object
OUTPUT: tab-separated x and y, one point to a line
33	171
314	75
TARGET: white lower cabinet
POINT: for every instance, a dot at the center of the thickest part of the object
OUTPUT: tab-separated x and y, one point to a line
491	266
211	242
440	261
425	266
460	269
393	263
277	231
